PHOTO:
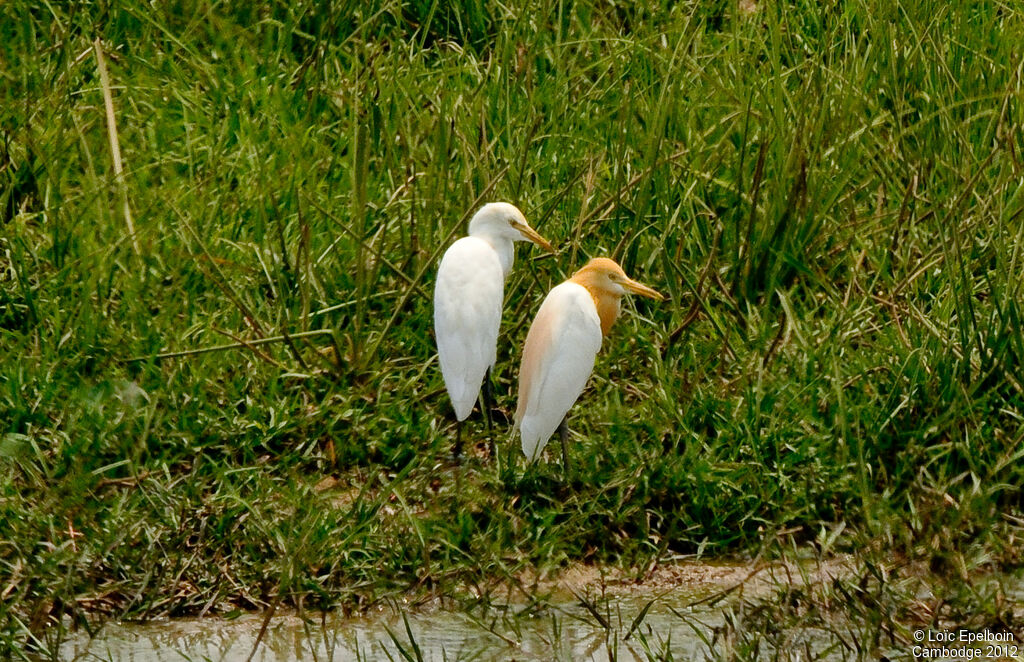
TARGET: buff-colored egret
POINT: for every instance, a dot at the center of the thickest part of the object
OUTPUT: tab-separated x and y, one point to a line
561	347
468	299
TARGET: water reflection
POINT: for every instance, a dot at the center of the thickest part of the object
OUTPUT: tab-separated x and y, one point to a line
564	632
638	624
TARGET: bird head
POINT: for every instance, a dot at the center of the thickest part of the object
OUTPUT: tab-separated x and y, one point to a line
501	219
603	276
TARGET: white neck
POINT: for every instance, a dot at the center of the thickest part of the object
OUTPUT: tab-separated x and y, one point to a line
506	250
507	254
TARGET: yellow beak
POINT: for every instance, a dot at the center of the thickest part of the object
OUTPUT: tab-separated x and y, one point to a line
641	289
533	236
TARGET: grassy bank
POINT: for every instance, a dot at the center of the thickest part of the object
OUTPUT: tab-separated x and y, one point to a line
830	196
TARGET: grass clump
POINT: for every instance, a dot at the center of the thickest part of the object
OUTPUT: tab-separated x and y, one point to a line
831	196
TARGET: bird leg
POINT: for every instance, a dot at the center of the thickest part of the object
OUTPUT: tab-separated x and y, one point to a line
487	398
457	448
563	436
486	402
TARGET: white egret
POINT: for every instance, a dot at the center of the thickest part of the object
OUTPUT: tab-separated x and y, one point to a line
468	299
561	347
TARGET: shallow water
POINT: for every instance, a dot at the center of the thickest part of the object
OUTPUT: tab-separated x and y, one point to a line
671	618
563	632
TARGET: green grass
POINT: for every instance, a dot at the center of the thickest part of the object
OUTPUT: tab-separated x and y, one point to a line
831	195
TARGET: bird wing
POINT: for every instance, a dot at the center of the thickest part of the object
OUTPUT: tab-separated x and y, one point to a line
558	358
467	315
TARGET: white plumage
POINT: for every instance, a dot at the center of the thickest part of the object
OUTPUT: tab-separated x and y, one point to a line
468	298
561	347
467	313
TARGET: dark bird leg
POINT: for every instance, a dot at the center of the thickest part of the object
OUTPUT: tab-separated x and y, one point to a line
486	402
563	435
457	448
487	399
